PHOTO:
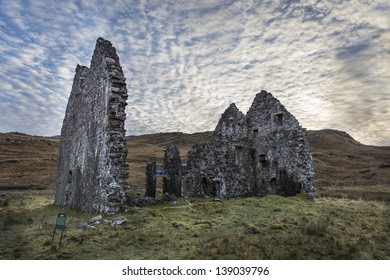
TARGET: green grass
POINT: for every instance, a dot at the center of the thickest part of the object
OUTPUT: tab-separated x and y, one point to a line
272	227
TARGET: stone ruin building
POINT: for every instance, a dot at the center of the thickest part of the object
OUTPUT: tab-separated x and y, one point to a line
92	168
264	152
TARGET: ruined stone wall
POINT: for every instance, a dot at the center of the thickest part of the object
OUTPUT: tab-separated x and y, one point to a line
264	152
230	145
281	149
198	181
92	168
151	179
220	168
172	167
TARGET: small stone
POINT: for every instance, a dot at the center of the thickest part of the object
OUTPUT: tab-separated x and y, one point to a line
311	195
152	214
249	231
85	226
118	221
95	219
176	225
170	197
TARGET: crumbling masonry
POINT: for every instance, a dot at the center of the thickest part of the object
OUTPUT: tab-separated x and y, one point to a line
92	169
171	172
264	152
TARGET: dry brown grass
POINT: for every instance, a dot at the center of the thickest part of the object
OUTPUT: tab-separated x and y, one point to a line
29	162
339	160
366	193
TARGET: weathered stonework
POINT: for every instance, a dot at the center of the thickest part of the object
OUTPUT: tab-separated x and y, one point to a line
151	179
92	168
170	171
284	161
221	167
264	152
172	167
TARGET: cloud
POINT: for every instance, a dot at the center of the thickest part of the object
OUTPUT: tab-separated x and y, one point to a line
185	62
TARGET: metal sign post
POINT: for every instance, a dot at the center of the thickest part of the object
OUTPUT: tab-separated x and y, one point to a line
60	224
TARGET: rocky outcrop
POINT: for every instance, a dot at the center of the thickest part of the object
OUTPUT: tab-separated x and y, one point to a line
92	168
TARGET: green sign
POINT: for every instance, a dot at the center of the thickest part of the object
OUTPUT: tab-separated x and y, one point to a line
61	219
60	224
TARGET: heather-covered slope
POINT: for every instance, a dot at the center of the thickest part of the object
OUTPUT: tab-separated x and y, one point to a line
30	162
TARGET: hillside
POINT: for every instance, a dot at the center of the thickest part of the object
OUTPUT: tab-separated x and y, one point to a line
30	162
340	160
27	162
348	219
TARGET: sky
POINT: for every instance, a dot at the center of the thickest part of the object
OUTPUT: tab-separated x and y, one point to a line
185	61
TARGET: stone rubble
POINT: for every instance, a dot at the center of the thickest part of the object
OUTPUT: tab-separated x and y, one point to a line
118	221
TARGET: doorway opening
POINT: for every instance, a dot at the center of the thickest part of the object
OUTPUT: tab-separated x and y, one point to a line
209	187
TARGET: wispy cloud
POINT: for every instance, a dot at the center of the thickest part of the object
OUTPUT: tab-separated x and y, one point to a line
185	61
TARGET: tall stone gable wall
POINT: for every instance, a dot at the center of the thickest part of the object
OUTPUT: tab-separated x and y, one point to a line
92	168
283	160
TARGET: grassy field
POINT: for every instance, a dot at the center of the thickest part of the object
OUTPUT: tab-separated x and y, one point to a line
349	219
338	224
